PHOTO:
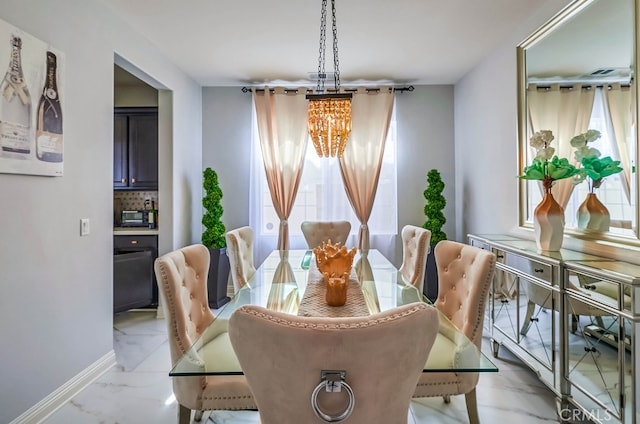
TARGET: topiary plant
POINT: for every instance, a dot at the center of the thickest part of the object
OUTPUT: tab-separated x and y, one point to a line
213	235
434	207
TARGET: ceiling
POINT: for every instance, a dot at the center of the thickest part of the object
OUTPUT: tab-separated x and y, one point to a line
244	42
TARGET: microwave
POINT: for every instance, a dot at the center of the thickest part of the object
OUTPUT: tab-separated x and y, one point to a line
134	218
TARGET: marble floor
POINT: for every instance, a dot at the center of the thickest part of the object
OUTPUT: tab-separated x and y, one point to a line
138	389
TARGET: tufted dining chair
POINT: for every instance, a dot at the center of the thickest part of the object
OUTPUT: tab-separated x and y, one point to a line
240	252
182	283
464	278
382	355
317	232
415	248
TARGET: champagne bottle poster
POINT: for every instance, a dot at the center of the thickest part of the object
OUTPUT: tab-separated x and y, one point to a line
31	104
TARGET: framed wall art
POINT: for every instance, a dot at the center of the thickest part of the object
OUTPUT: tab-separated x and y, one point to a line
31	104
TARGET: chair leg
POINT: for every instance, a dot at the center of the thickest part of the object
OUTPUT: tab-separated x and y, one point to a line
472	407
184	415
198	416
527	318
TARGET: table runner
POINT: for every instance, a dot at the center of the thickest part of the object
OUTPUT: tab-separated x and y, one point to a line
313	302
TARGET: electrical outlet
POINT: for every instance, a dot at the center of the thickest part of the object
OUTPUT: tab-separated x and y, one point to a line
84	227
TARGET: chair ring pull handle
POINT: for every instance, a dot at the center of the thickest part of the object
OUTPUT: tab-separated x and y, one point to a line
332	381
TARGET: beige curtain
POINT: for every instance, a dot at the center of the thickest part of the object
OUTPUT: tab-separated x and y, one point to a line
566	111
282	126
619	103
362	158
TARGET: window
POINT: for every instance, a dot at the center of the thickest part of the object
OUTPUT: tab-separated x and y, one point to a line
321	196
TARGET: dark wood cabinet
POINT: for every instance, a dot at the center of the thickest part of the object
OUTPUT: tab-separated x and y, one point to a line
135	149
134	283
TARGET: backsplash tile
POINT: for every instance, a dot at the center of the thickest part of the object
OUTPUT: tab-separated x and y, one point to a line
131	200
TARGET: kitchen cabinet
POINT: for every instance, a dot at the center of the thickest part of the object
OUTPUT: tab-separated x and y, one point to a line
134	283
135	149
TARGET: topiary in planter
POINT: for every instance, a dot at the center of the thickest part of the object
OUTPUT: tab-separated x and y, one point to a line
435	221
434	207
213	238
213	235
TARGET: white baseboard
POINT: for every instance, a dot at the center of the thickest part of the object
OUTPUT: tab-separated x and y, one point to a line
47	406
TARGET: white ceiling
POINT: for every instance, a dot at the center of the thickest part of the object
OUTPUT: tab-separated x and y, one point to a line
256	41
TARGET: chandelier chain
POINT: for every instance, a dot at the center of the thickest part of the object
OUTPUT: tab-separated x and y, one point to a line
322	49
336	75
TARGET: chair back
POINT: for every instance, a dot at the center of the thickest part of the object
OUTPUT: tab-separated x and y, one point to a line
317	232
415	248
464	278
283	357
182	284
240	252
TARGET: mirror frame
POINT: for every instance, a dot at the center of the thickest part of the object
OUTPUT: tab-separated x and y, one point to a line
561	17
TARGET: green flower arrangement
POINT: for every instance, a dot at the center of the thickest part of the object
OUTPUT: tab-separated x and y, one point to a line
213	235
546	166
593	168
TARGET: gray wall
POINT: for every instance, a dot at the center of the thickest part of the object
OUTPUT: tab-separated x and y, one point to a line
226	148
425	141
55	286
486	137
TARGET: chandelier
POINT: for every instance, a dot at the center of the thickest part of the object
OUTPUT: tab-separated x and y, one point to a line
329	114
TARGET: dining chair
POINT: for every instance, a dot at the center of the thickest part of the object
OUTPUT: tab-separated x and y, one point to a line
182	284
240	252
317	232
464	279
415	248
297	365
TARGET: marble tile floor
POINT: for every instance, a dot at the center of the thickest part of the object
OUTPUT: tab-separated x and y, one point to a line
138	389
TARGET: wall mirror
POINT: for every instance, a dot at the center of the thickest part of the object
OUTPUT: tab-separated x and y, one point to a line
577	73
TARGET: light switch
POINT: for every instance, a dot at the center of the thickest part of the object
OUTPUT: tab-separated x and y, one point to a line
84	227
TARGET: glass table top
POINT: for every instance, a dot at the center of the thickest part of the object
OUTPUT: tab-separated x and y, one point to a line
279	284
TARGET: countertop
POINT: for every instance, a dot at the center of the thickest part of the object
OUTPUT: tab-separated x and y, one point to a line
134	231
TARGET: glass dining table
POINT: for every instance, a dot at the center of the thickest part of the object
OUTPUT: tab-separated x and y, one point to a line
285	282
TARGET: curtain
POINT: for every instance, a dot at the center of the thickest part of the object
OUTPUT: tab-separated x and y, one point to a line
282	126
360	164
618	102
566	112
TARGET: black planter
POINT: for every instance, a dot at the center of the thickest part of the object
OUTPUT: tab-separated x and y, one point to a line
217	279
431	277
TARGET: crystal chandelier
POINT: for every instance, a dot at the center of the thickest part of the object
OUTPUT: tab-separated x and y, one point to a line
329	114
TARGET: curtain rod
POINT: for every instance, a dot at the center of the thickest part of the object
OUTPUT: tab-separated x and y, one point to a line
572	87
347	90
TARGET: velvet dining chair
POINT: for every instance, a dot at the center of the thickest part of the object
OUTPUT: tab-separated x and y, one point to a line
182	283
464	279
381	355
240	252
317	232
415	248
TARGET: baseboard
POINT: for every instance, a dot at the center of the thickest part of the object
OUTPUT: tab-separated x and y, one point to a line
47	406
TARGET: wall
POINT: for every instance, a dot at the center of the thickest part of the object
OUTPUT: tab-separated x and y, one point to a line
226	148
486	136
425	141
55	286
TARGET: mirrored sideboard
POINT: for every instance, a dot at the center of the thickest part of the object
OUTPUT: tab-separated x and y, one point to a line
574	319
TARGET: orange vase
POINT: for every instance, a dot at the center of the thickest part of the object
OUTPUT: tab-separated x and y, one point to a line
593	215
548	223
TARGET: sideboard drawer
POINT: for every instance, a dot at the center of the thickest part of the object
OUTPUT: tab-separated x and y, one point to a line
528	266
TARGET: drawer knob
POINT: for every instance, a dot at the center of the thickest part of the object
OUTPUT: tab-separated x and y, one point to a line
133	180
538	270
124	180
134	241
500	256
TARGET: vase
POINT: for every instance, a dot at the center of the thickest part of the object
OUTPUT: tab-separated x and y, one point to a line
548	223
593	215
